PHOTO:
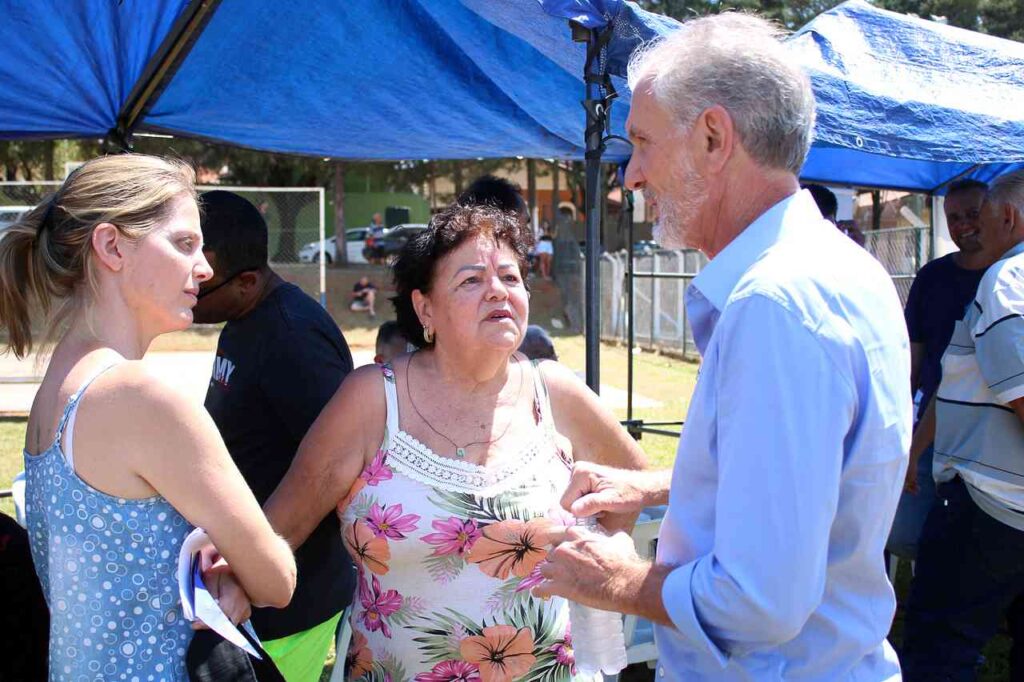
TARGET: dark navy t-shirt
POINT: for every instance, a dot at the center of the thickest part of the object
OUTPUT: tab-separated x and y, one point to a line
938	298
275	370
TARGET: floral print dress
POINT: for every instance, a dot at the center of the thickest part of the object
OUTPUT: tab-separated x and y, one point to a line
446	552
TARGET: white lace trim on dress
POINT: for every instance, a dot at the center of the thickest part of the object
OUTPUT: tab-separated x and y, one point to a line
412	458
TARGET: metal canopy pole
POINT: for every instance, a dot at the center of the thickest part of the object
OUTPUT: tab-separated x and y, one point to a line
160	69
627	205
599	93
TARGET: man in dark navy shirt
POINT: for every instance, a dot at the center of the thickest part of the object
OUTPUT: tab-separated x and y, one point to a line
279	360
938	298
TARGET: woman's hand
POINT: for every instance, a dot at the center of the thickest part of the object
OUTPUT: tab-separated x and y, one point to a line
227	592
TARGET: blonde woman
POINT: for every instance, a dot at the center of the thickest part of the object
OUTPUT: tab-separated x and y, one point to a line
119	464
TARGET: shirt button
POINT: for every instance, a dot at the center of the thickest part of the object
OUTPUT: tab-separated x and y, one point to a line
661	671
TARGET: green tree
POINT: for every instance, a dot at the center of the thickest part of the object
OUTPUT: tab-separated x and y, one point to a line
792	14
1003	18
962	13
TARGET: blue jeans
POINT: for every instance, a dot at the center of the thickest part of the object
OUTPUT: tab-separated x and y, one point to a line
970	570
912	512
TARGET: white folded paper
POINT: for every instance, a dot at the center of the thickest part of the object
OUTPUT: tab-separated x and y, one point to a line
196	601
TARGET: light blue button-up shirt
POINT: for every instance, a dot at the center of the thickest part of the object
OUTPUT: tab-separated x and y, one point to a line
791	461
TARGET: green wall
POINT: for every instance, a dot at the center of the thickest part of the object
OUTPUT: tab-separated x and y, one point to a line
360	207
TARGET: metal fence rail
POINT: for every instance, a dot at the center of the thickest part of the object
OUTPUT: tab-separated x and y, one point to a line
660	279
902	252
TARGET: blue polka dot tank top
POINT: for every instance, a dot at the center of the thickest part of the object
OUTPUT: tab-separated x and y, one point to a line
108	568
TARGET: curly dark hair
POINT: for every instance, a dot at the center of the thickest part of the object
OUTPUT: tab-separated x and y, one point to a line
417	262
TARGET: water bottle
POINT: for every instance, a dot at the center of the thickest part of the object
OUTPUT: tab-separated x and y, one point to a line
597	639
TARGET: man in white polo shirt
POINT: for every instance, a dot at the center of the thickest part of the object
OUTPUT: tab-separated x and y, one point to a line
970	564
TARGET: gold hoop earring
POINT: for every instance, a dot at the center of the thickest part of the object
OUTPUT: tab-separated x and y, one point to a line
428	335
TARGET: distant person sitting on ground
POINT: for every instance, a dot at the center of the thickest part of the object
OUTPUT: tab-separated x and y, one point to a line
391	342
364	296
537	345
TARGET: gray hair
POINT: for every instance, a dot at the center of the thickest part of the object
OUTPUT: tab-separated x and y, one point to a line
1008	189
736	61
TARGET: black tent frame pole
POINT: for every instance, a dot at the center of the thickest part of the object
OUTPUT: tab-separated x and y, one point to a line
598	95
160	70
592	281
627	206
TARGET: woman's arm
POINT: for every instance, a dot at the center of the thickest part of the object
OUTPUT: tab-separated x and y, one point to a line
593	430
172	443
334	452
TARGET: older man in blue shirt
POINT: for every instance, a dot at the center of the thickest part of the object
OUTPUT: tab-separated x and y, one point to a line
793	454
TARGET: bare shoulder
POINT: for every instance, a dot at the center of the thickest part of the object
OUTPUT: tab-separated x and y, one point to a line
562	383
359	407
133	401
136	433
132	388
364	387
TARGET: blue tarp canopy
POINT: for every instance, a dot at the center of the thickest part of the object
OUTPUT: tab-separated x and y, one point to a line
903	102
359	79
909	103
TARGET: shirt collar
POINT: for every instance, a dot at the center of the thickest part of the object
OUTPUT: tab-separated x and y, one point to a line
1016	250
719	277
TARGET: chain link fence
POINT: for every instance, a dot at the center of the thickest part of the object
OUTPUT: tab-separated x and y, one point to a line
295	221
901	251
661	277
660	280
17	197
294	215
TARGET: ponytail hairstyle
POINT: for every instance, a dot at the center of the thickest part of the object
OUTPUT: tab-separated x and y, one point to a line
46	259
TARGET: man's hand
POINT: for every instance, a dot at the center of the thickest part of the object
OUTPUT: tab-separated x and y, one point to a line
595	488
604	572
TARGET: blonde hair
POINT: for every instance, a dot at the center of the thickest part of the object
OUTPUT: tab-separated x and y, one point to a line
46	257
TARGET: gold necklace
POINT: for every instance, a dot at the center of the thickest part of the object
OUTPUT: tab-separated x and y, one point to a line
460	451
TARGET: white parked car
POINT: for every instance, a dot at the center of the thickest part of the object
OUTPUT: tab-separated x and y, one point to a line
354	241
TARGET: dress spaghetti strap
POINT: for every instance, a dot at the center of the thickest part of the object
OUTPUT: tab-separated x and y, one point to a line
67	418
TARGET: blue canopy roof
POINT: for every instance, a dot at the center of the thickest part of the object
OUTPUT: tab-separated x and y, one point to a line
902	102
909	103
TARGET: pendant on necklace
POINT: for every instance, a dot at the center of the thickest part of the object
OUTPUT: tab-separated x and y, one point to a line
460	452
